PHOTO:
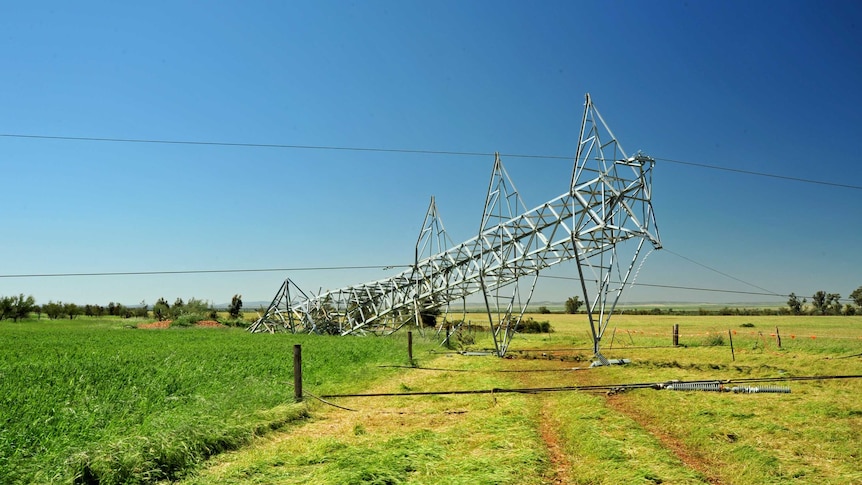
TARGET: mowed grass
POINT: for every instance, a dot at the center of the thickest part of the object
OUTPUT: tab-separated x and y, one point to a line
95	401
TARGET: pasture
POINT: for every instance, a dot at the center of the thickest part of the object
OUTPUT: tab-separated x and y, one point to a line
99	401
92	401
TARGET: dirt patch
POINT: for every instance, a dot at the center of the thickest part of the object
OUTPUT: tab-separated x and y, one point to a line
167	324
162	324
208	323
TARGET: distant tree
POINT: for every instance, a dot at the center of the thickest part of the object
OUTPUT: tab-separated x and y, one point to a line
178	308
161	309
544	310
819	302
197	306
38	310
22	306
833	304
857	296
794	304
142	311
235	306
115	309
72	310
53	310
5	307
572	304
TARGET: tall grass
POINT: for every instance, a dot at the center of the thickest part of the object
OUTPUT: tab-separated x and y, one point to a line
92	401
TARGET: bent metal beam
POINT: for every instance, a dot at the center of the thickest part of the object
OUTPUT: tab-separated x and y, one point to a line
602	222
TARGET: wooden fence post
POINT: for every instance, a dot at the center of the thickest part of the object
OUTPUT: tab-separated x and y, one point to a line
410	347
732	354
297	372
778	337
676	335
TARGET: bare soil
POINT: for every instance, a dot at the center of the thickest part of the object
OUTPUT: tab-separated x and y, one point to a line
167	324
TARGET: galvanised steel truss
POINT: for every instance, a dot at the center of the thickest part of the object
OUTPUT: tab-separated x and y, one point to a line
608	203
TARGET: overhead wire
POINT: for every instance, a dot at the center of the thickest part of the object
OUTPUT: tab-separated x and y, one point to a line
760	174
719	272
677	287
401	150
199	271
342	268
388	150
330	268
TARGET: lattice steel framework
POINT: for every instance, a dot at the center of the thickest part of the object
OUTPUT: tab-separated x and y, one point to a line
602	222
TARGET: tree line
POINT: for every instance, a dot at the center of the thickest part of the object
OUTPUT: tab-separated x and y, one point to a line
20	307
823	303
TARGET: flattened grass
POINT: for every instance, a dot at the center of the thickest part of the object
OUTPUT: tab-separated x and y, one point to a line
809	436
443	439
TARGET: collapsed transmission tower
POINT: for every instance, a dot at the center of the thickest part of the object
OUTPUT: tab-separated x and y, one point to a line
602	222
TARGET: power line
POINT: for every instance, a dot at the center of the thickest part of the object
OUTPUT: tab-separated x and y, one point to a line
595	387
261	145
198	271
673	287
717	271
401	150
761	174
333	268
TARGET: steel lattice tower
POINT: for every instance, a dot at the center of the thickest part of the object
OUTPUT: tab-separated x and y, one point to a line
602	222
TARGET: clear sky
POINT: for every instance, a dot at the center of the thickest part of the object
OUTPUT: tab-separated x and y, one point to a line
772	87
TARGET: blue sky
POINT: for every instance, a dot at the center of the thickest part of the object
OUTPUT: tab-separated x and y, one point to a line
755	86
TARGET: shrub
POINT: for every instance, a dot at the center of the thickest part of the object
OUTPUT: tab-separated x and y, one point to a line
187	320
713	340
531	326
747	325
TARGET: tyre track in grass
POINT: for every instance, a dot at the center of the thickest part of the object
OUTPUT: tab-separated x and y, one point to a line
559	469
560	464
691	459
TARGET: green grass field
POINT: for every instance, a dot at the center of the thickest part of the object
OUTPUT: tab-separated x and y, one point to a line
93	401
